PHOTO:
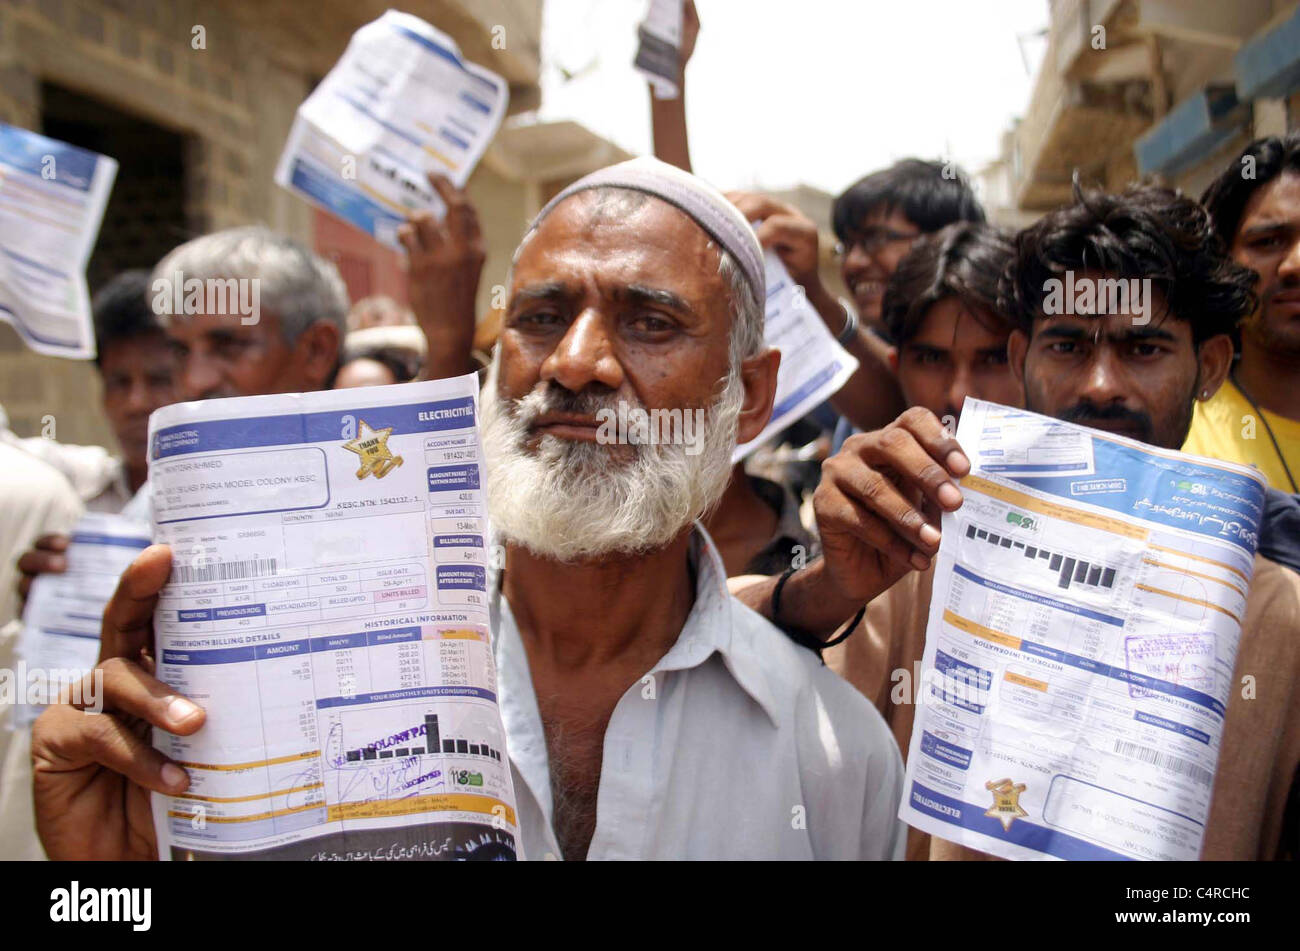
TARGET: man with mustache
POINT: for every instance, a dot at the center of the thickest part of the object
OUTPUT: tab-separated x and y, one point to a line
1137	372
648	714
877	220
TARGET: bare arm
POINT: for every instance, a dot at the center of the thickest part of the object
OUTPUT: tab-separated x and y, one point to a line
810	601
668	116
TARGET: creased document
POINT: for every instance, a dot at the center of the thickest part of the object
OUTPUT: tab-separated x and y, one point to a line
52	198
1087	607
813	365
64	612
400	103
328	607
658	56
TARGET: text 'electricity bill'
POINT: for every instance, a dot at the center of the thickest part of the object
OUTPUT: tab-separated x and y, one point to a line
1083	630
328	608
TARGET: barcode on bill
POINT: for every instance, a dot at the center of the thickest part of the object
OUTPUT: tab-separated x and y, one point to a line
1174	764
223	570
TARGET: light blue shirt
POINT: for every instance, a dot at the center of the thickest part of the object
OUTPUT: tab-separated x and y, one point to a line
739	744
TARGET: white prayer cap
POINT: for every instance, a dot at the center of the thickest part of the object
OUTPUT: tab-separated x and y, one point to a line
705	205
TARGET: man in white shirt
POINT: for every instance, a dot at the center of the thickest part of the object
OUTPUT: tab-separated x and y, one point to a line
648	714
736	744
34	499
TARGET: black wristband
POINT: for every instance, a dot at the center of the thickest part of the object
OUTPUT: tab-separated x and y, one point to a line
857	619
776	595
814	644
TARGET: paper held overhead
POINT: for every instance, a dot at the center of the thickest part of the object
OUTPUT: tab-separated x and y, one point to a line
659	54
52	198
400	103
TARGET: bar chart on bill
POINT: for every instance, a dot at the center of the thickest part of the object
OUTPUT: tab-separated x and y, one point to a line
1069	569
421	739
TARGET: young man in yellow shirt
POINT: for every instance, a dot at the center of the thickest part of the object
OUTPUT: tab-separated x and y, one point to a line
1254	417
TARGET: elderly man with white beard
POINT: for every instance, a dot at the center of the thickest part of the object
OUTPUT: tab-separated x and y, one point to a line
648	714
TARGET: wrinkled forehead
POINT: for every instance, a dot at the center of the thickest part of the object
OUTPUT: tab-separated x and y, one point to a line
1275	204
184	328
619	235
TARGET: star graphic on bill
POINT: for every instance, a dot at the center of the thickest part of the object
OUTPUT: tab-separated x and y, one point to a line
372	446
1006	802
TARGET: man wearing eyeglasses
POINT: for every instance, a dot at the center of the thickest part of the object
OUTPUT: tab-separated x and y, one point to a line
876	221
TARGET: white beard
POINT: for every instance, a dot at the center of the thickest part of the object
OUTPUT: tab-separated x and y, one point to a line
568	500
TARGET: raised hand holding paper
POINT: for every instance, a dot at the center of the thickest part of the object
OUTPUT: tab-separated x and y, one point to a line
813	365
399	104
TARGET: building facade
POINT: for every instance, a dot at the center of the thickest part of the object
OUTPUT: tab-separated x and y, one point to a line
1130	89
195	101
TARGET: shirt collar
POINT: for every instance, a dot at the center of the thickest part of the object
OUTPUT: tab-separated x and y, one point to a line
714	624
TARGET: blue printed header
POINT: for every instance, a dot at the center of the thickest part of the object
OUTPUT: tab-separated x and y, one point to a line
293	429
1215	502
29	152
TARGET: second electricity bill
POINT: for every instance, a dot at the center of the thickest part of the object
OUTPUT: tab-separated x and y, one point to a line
1082	637
328	608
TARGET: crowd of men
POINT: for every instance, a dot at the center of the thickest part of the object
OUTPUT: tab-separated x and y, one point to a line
642	284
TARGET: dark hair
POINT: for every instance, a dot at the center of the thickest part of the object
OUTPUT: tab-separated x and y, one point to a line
404	366
921	190
121	310
1146	231
964	260
1228	194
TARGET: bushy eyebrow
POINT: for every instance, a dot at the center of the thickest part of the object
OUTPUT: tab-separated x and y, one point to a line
629	294
1265	227
545	291
642	294
222	335
1076	332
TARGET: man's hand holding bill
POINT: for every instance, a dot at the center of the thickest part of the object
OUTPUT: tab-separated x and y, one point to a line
878	507
48	555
